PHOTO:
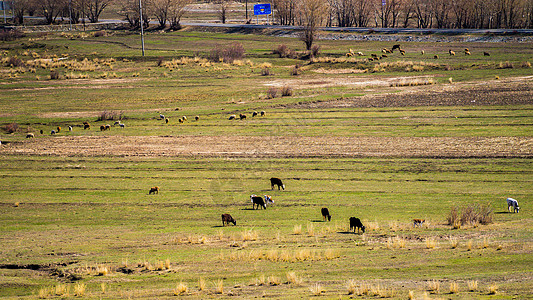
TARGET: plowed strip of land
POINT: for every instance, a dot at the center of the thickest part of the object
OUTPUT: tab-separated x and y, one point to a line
275	146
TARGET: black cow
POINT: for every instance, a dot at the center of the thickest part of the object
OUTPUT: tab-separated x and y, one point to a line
356	223
276	181
325	213
227	218
257	200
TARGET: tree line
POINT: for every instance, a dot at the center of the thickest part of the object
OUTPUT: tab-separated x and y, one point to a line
312	13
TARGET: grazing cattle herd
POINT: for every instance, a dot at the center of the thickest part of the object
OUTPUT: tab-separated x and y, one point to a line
259	202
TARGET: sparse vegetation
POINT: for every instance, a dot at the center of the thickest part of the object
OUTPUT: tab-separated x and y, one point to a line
386	141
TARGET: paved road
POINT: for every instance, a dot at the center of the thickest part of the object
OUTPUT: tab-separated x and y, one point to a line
351	29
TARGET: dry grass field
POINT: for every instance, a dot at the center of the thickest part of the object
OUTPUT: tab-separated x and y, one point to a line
384	143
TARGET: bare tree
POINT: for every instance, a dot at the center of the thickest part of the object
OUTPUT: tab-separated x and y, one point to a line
161	9
176	11
222	6
95	8
311	14
285	11
51	9
129	9
21	7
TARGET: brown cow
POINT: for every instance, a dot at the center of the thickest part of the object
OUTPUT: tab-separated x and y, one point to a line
154	190
227	218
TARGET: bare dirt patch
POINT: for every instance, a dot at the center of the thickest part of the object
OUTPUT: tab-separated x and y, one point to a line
275	146
512	91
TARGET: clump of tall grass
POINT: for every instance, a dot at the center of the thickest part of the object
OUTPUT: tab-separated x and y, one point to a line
310	229
297	229
493	288
454	242
431	243
219	287
412	82
470	215
274	280
249	235
79	289
293	278
102	270
472	285
454	287
434	286
180	289
201	284
316	289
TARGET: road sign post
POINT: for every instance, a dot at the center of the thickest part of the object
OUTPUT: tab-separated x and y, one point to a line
262	9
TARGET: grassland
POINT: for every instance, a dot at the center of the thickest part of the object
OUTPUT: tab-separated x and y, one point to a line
365	139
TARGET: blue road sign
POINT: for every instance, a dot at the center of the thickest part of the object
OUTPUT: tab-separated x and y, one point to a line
262	9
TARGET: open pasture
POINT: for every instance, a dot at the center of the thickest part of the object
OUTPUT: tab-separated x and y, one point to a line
387	143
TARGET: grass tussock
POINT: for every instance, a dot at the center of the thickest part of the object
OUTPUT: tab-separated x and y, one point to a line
219	287
454	242
297	229
79	289
201	284
316	289
472	285
249	235
433	286
431	243
454	287
274	255
493	288
471	215
293	278
412	82
181	289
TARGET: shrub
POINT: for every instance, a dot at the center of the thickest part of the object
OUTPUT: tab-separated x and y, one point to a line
286	91
272	93
295	70
11	128
265	71
284	52
100	33
315	51
110	115
54	75
15	62
10	35
228	53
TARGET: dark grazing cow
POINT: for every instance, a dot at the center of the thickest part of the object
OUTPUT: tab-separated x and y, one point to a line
257	200
276	181
394	47
227	218
325	213
154	190
356	223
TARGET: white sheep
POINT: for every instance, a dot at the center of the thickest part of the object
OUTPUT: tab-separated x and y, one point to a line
122	125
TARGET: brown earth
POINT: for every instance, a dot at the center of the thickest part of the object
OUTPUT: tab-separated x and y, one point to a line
275	146
514	91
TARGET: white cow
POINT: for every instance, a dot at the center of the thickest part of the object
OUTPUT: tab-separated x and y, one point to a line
512	203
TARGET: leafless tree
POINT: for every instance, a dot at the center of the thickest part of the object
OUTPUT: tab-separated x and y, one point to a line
222	6
95	8
176	11
285	11
311	13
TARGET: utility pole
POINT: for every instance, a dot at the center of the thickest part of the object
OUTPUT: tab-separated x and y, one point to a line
141	22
